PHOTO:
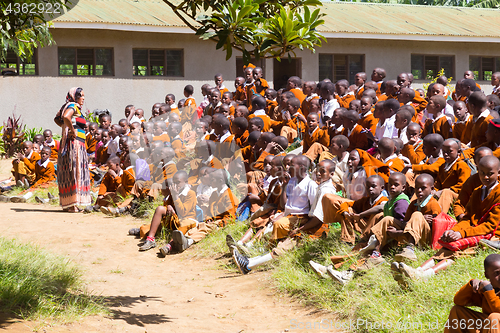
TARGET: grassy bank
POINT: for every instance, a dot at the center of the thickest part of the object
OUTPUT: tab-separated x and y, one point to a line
373	298
37	285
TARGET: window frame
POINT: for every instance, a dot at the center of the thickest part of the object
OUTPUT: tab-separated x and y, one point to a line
148	67
453	66
34	60
75	64
496	59
348	55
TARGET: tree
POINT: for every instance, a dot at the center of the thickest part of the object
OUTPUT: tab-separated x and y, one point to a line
258	28
24	24
454	3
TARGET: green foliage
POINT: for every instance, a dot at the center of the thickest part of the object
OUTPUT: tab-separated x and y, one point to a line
259	28
434	79
457	3
29	133
12	135
35	284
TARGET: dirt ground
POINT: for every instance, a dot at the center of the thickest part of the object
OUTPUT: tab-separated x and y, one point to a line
178	293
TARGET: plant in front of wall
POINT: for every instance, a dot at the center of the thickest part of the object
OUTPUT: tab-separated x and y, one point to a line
12	135
29	133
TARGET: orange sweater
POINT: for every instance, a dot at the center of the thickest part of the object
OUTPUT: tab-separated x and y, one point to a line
360	205
306	105
299	94
431	169
44	174
222	206
189	110
432	208
357	139
128	181
396	164
91	143
184	205
459	128
109	184
440	126
31	162
454	178
318	135
415	153
369	122
345	100
476	208
468	187
488	301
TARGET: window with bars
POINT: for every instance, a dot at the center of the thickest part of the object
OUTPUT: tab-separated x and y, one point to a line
86	61
340	66
426	67
158	62
484	67
15	65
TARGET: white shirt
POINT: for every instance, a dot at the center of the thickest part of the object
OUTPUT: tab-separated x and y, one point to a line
113	148
403	135
485	193
349	131
44	165
224	136
387	129
317	207
259	113
327	110
135	119
300	196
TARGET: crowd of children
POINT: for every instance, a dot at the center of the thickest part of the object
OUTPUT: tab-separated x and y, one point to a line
381	158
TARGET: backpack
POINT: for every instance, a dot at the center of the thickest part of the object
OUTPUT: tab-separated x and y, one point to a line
142	170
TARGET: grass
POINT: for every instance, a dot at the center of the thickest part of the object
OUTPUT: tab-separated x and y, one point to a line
373	297
41	192
37	285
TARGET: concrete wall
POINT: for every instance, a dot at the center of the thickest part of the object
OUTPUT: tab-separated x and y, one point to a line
38	98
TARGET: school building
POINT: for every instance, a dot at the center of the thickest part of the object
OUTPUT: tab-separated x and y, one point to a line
135	52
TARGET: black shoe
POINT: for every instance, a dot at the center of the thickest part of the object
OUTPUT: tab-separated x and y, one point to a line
241	261
148	245
134	232
180	240
230	242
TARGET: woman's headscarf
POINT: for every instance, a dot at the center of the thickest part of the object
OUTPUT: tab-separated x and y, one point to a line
70	97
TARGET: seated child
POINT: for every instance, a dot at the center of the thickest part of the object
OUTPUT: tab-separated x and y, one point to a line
367	120
387	149
23	167
403	119
239	128
178	212
462	117
205	153
353	131
314	136
101	154
90	140
54	144
413	149
303	211
160	131
431	147
439	123
481	294
44	168
175	141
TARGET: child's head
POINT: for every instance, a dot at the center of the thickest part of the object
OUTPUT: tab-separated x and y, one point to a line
338	145
281	144
180	179
413	131
378	112
312	121
113	163
309	87
372	93
325	170
396	184
424	184
148	126
267	164
293	105
264	139
258	103
221	125
36	147
350	118
271	94
355	105
360	79
129	109
366	104
451	150
255	124
327	90
284	97
436	105
398	145
374	186
391	106
492	101
174	129
135	127
159	127
45	153
92	129
239	82
241	111
277	166
299	166
47	134
167	154
406	95
248	73
293	82
337	116
155	110
492	269
105	121
219	179
391	88
200	128
188	91
257	73
287	161
386	147
123	143
488	170
218	80
378	74
38	138
432	144
124	124
27	147
135	141
253	138
460	110
403	80
215	97
353	160
239	126
203	175
204	149
170	99
403	119
104	136
139	113
341	87
481	152
477	102
227	98
314	106
224	109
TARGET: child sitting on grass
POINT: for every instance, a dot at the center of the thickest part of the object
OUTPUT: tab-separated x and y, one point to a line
24	165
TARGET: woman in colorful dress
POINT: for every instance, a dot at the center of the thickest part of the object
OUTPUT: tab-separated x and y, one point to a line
73	175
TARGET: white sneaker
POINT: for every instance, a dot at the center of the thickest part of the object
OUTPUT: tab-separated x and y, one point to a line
319	269
342	277
372	243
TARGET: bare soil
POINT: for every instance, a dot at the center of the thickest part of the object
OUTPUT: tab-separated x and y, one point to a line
179	293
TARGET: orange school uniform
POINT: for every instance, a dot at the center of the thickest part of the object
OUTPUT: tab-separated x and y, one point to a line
452	177
369	122
357	139
31	161
128	180
318	135
109	184
90	143
305	106
345	100
222	206
395	164
468	187
430	168
415	152
189	110
44	173
440	125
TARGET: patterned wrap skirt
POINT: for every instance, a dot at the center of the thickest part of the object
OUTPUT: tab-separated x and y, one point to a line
73	175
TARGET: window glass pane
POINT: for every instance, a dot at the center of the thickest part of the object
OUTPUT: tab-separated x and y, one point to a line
85	61
339	67
325	66
355	66
67	59
104	62
140	61
239	65
157	62
431	64
174	63
447	62
10	61
475	65
417	66
487	66
27	69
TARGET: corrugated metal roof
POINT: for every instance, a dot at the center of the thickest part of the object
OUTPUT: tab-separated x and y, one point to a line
341	17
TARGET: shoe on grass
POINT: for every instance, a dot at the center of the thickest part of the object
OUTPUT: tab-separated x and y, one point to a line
342	277
20	183
409	272
4	198
41	200
164	250
407	254
148	245
180	240
134	232
371	262
319	269
107	211
18	199
26	184
51	197
494	245
230	242
241	261
372	243
88	209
